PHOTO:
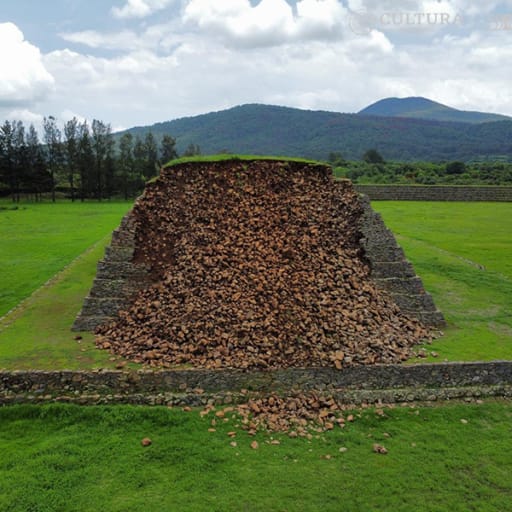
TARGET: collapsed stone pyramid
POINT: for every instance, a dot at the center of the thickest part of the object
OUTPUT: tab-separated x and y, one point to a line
256	264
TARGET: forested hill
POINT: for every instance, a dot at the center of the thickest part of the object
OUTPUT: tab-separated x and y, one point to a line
273	130
423	108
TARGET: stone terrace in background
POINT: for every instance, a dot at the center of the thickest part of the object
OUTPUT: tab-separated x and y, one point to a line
435	193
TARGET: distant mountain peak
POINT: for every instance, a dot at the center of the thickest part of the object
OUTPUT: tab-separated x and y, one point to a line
257	129
423	108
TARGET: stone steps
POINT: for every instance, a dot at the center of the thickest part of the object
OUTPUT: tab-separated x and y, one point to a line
393	272
117	280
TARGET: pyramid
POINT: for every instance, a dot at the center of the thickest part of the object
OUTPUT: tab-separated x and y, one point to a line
255	263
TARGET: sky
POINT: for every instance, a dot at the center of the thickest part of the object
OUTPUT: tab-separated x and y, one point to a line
138	62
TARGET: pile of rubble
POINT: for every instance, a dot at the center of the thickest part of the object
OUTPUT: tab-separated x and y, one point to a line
299	415
256	264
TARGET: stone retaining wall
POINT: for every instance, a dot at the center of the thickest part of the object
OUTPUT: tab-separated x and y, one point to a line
117	279
392	272
435	193
351	385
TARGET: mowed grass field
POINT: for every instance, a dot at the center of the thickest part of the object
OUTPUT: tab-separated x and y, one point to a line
40	239
65	458
461	251
60	242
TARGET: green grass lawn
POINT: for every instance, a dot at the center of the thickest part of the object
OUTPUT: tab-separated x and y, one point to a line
39	239
38	335
66	458
462	251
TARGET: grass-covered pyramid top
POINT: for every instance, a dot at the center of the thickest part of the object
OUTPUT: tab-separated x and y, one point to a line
226	157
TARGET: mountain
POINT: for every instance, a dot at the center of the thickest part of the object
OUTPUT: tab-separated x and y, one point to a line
423	108
283	131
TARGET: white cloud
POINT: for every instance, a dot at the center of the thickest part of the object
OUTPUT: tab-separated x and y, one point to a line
23	77
164	36
27	116
67	115
139	8
125	39
269	23
221	53
472	94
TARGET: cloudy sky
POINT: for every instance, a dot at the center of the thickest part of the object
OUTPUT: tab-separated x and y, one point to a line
136	62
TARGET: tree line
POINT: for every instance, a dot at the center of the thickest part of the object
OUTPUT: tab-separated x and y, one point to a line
78	160
373	169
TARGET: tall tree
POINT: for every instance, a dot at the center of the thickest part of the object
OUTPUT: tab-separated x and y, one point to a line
167	149
139	157
372	156
85	162
7	158
20	158
71	152
110	166
38	179
151	164
192	150
102	148
53	142
126	162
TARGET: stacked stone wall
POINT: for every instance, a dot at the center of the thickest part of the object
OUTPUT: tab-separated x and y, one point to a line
435	193
352	385
117	279
393	272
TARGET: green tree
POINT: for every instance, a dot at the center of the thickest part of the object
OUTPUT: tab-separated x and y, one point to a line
151	159
126	162
139	157
372	156
85	162
192	150
167	149
20	158
7	159
455	168
38	178
102	146
53	150
71	152
336	159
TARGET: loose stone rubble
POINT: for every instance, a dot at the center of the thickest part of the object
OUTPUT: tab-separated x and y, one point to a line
255	265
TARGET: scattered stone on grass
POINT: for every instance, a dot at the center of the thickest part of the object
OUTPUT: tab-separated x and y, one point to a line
378	448
299	416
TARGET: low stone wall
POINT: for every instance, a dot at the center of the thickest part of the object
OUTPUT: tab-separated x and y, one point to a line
351	385
435	193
